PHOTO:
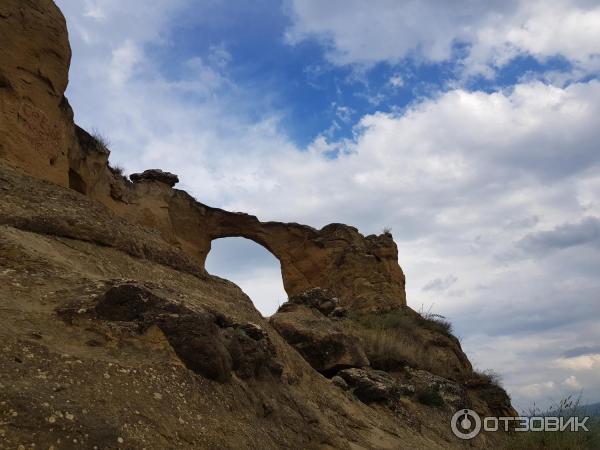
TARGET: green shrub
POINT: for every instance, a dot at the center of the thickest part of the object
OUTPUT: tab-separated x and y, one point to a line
429	396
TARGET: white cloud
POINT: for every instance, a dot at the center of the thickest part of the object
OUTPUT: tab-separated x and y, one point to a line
537	390
494	32
582	362
124	61
571	382
396	81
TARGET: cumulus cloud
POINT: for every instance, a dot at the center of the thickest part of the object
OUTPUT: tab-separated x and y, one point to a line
490	34
582	362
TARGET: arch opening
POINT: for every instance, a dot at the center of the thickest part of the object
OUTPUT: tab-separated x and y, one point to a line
252	267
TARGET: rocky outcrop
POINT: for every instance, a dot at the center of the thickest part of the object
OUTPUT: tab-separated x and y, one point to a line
32	205
363	272
326	346
157	175
116	347
208	343
307	322
320	299
36	121
374	385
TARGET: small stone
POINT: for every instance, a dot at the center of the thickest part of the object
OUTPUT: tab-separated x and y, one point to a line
157	396
339	382
120	440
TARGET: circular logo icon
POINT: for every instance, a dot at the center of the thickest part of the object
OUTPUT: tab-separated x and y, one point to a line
466	424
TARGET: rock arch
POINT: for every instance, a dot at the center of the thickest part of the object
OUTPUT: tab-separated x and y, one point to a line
362	271
252	267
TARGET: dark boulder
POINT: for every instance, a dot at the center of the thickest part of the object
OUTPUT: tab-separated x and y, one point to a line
155	175
323	343
207	343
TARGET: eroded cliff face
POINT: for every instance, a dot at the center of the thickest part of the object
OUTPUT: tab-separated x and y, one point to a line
36	121
114	336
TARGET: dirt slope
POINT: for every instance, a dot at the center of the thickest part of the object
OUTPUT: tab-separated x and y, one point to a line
73	380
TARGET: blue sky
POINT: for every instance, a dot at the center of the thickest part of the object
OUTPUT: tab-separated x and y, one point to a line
470	128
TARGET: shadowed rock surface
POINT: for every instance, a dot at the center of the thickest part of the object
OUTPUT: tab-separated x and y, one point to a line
321	342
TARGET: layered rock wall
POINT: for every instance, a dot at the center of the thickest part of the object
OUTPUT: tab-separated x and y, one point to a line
36	121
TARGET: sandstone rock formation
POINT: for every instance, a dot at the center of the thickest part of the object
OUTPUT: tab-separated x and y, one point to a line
114	336
115	344
362	271
41	139
167	178
36	121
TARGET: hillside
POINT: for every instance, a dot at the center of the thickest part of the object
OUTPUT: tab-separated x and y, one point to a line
115	336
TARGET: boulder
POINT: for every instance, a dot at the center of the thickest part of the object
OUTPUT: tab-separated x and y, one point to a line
158	175
318	298
207	343
371	385
324	344
339	382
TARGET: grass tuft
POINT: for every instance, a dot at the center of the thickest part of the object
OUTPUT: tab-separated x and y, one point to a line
100	140
557	440
116	170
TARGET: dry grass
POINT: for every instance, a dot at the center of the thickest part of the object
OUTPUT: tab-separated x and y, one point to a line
405	319
393	340
116	170
488	386
557	440
102	143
